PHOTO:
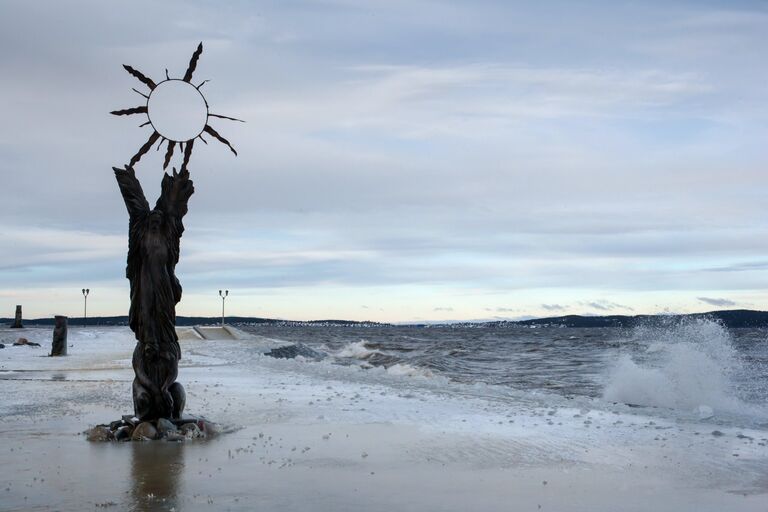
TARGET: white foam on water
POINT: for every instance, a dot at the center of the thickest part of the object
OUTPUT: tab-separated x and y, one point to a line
688	365
406	370
356	350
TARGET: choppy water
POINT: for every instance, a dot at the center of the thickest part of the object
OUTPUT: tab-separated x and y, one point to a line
691	367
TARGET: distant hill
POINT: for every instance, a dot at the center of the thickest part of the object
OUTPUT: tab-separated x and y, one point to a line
737	318
734	319
187	321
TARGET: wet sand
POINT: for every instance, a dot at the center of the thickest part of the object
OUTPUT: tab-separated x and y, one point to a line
318	440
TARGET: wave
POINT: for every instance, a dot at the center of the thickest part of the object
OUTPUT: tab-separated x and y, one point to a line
406	370
687	365
366	353
356	350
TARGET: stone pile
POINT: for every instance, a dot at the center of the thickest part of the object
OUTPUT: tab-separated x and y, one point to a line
130	428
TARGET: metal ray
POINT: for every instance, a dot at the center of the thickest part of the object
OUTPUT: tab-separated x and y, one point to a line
143	149
187	154
193	62
130	111
213	133
226	117
138	74
168	154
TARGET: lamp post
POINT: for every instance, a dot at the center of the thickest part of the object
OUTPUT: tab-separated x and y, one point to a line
86	291
223	298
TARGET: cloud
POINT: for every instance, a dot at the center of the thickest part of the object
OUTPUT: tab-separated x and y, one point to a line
740	267
604	305
443	309
505	310
363	164
720	302
31	246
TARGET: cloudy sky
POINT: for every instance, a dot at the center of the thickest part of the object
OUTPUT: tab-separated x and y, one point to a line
401	160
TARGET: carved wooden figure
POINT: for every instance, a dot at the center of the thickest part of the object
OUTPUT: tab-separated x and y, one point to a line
153	251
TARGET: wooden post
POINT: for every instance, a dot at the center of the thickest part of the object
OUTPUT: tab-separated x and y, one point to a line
17	322
59	346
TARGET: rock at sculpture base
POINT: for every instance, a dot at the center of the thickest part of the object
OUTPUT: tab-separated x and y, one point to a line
123	433
99	434
174	437
130	420
191	431
59	345
164	429
145	432
17	321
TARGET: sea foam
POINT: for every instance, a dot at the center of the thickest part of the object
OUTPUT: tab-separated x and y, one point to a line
682	365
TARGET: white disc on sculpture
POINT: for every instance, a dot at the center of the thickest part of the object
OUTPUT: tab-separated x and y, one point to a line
177	110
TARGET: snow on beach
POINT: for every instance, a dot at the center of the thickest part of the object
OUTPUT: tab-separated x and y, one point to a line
318	435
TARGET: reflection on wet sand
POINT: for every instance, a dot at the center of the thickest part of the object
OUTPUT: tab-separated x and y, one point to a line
156	469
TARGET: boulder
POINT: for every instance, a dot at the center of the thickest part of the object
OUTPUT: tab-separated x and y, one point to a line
131	420
207	428
25	341
99	434
191	431
123	433
165	427
144	432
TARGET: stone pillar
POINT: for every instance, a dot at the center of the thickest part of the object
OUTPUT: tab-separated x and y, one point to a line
59	346
17	322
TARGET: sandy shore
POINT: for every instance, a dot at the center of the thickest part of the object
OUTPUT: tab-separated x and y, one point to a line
315	436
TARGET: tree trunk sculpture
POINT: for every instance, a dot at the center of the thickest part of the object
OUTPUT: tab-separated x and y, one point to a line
153	251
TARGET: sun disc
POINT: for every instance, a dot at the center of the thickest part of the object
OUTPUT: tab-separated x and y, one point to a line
177	110
178	113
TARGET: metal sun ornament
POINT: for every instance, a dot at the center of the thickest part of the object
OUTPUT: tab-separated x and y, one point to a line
176	111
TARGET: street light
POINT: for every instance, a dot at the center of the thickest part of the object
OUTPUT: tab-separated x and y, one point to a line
223	298
86	291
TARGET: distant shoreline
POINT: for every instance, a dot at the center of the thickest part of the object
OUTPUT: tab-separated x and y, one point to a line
736	318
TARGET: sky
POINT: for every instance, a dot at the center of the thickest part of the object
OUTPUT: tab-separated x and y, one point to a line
401	161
